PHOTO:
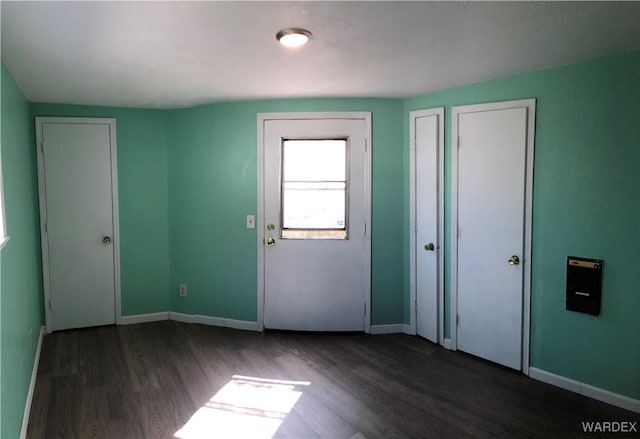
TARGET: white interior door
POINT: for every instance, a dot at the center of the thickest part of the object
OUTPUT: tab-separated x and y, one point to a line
491	210
316	209
427	218
79	224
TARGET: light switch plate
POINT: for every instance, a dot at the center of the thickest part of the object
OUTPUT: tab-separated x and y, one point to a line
251	221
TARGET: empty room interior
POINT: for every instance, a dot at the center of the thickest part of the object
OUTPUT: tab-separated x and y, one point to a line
319	219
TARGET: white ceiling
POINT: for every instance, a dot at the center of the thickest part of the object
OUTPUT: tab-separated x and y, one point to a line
177	54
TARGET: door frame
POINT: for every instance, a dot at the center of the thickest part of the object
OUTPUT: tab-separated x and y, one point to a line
530	105
413	244
262	118
111	122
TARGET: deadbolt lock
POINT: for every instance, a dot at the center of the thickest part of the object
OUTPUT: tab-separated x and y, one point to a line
270	227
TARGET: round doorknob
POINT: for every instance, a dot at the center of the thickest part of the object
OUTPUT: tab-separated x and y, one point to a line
514	260
271	242
106	240
430	247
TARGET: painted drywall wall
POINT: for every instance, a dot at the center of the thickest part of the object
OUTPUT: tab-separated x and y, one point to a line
210	154
143	202
21	294
586	203
213	184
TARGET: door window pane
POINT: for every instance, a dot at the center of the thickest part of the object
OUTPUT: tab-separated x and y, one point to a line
314	189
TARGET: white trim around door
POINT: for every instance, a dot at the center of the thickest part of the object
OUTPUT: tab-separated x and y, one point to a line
530	105
413	244
262	118
111	122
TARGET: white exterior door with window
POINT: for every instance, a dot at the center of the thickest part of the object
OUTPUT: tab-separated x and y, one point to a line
314	242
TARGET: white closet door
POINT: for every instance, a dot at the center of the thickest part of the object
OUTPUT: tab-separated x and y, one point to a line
491	209
77	197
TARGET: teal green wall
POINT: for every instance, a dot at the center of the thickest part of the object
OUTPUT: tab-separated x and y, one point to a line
586	202
213	184
21	294
143	201
205	159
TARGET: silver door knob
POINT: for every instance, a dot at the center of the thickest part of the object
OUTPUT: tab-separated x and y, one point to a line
106	240
430	247
271	242
514	260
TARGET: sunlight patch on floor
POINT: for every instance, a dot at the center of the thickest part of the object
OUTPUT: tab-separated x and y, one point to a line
246	407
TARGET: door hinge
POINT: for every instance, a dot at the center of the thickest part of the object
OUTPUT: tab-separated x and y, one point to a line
366	146
364	309
458	141
365	228
42	147
46	229
49	304
457	320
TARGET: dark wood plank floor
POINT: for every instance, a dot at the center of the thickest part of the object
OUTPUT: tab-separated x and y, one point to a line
149	380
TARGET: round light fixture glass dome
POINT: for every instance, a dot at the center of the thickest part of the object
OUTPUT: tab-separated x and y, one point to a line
293	37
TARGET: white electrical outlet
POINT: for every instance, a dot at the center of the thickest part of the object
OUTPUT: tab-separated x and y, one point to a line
183	290
251	221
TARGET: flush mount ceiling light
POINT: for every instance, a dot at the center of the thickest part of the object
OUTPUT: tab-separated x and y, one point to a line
293	37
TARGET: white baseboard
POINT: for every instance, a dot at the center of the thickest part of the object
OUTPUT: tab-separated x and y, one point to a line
387	329
179	317
610	398
207	320
214	321
555	380
32	386
406	329
144	318
446	343
241	324
190	318
585	389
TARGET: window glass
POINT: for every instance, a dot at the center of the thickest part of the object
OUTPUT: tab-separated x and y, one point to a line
314	189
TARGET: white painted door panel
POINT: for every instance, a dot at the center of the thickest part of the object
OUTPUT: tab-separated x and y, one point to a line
79	215
315	284
426	165
491	210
